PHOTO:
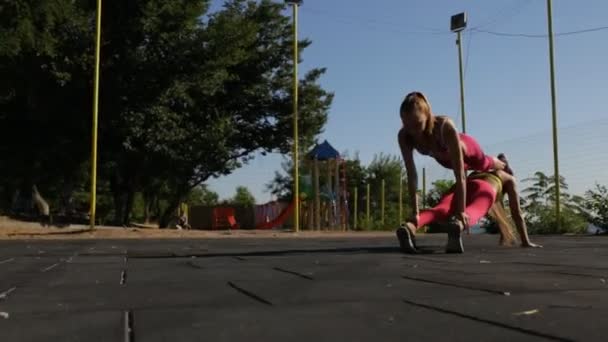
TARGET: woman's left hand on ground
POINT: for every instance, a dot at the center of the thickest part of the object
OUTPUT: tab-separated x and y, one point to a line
464	219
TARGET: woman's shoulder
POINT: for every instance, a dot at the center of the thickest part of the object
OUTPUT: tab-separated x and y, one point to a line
442	125
443	121
405	141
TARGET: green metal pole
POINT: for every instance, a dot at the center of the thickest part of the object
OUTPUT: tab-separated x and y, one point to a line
382	194
462	113
367	209
295	121
356	208
554	114
95	121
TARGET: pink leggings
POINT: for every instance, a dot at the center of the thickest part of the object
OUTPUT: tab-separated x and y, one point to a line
474	157
480	197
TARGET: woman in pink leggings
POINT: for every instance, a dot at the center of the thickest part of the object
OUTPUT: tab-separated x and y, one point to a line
485	191
437	136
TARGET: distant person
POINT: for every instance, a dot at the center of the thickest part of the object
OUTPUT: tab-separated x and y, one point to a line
44	210
437	137
182	222
485	192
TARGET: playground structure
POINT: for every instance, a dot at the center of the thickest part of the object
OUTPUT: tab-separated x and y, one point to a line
224	217
323	200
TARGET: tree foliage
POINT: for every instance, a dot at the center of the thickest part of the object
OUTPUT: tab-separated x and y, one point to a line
201	195
596	206
539	207
186	95
439	189
243	197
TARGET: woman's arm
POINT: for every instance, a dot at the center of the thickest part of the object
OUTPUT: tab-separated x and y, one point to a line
407	153
452	140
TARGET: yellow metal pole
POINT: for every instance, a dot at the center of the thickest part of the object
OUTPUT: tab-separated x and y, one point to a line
554	115
423	187
367	209
295	121
95	115
356	203
382	194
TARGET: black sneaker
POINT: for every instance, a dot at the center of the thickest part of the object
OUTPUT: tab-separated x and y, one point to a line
454	237
503	159
406	240
412	235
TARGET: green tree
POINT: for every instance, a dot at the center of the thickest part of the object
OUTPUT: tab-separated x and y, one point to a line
201	195
356	177
439	188
281	186
229	79
570	222
390	169
539	206
596	205
542	190
45	55
243	197
185	95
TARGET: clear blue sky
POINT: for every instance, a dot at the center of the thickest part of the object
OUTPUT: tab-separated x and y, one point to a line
377	51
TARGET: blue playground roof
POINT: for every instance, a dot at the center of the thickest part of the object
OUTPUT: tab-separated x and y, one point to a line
324	151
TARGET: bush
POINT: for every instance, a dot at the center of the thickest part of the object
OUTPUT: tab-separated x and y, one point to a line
391	218
545	222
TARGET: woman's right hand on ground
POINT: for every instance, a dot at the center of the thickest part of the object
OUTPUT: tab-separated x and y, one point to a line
531	245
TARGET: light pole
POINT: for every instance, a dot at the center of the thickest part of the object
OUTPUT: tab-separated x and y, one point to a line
296	187
457	24
554	113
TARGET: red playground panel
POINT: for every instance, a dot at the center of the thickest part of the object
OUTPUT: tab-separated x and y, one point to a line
223	217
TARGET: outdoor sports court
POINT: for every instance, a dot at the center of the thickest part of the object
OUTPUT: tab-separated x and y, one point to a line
334	288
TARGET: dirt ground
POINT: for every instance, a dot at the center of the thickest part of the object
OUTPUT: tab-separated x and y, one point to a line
15	230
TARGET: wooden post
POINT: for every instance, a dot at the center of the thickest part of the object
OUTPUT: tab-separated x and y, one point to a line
310	201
